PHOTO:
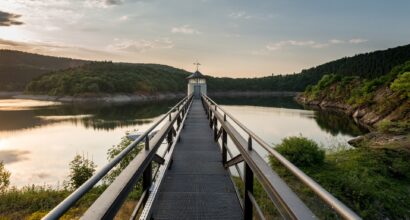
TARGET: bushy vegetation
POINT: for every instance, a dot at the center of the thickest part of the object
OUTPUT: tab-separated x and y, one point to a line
34	202
398	127
373	182
402	84
4	177
301	151
358	92
81	169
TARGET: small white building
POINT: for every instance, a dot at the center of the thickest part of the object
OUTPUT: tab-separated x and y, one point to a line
196	84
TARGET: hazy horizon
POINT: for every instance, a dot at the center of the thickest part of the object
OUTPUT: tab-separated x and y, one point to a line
229	38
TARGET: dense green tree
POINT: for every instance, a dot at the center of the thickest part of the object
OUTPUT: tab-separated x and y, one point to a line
81	169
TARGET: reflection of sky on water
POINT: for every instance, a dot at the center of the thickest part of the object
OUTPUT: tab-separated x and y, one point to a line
30	154
23	104
37	143
274	124
39	139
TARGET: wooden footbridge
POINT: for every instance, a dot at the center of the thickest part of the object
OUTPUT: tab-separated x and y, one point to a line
193	177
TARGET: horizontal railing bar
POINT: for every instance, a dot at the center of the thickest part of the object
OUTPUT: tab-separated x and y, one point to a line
138	206
68	202
328	198
288	204
108	203
255	204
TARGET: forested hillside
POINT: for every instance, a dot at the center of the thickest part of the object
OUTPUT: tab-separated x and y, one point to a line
18	68
383	101
367	66
108	77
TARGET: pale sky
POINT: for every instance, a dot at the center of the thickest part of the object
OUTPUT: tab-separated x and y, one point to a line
234	38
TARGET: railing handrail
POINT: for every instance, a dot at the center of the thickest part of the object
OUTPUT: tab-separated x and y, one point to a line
328	198
68	202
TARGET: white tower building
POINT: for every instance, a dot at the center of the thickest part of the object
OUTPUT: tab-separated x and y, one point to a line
196	83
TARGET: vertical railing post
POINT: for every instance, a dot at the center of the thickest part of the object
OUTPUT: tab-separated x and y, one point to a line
169	139
147	180
247	204
215	128
147	175
224	146
147	142
210	118
179	119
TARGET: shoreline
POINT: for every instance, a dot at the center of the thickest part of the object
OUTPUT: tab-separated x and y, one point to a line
117	98
374	138
253	93
124	98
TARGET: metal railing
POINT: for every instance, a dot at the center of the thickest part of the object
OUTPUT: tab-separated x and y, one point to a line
109	202
285	200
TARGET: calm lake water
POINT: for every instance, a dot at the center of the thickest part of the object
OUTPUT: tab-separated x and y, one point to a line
38	139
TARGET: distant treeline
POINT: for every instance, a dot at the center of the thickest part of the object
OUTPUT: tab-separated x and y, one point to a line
368	66
18	68
107	77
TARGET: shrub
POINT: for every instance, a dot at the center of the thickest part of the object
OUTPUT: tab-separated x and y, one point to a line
301	151
4	178
81	169
400	127
402	84
327	80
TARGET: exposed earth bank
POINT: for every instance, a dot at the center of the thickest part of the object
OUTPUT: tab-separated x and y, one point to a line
383	110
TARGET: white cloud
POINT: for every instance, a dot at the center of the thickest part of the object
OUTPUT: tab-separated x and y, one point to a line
102	3
282	44
357	41
239	14
124	18
54	49
336	41
310	43
185	29
141	45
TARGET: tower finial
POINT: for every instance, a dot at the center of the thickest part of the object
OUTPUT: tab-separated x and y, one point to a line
197	65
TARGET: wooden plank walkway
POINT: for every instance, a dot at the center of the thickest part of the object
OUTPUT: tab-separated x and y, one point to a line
197	186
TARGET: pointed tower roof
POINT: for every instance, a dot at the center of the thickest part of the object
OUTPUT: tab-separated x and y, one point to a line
196	75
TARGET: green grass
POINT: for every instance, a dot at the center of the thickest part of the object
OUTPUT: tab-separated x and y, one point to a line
33	202
373	182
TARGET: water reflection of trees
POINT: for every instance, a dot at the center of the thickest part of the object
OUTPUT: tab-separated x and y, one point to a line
89	115
264	101
333	122
338	123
